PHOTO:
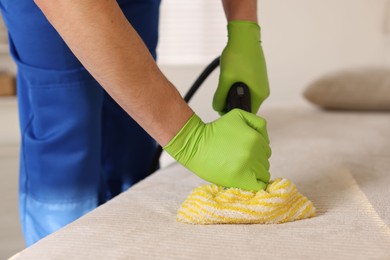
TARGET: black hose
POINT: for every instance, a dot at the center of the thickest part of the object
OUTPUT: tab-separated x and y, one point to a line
198	82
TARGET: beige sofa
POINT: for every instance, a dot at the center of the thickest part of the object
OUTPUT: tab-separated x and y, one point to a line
340	160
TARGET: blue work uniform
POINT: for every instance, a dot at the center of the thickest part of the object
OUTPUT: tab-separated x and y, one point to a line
78	147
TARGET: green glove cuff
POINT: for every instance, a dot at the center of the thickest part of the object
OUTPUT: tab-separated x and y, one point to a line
243	30
181	139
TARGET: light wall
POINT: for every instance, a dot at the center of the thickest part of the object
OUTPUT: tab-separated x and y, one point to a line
303	40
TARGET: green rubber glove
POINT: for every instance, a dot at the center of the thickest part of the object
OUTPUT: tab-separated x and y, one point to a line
242	60
232	151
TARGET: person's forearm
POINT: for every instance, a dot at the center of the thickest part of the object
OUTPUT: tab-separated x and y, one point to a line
107	45
240	10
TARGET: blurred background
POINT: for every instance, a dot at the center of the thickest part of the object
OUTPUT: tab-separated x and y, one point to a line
302	40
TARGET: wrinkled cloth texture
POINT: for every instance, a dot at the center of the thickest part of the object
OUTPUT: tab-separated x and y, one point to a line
78	147
279	203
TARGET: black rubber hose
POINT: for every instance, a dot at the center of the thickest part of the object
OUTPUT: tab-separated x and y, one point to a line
198	82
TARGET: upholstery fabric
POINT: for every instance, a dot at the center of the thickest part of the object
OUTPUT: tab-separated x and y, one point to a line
341	163
359	89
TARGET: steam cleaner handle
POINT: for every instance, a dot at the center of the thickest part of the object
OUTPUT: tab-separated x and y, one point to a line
238	97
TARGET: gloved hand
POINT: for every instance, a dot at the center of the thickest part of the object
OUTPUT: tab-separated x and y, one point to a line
232	151
242	60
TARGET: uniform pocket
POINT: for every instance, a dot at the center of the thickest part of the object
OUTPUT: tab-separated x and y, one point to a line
62	143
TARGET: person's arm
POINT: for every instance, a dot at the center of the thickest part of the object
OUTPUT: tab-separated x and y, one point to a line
244	10
232	151
104	41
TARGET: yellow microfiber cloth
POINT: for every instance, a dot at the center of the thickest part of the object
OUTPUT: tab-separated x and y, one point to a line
211	204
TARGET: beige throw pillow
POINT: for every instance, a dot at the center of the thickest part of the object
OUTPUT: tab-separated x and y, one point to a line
359	89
